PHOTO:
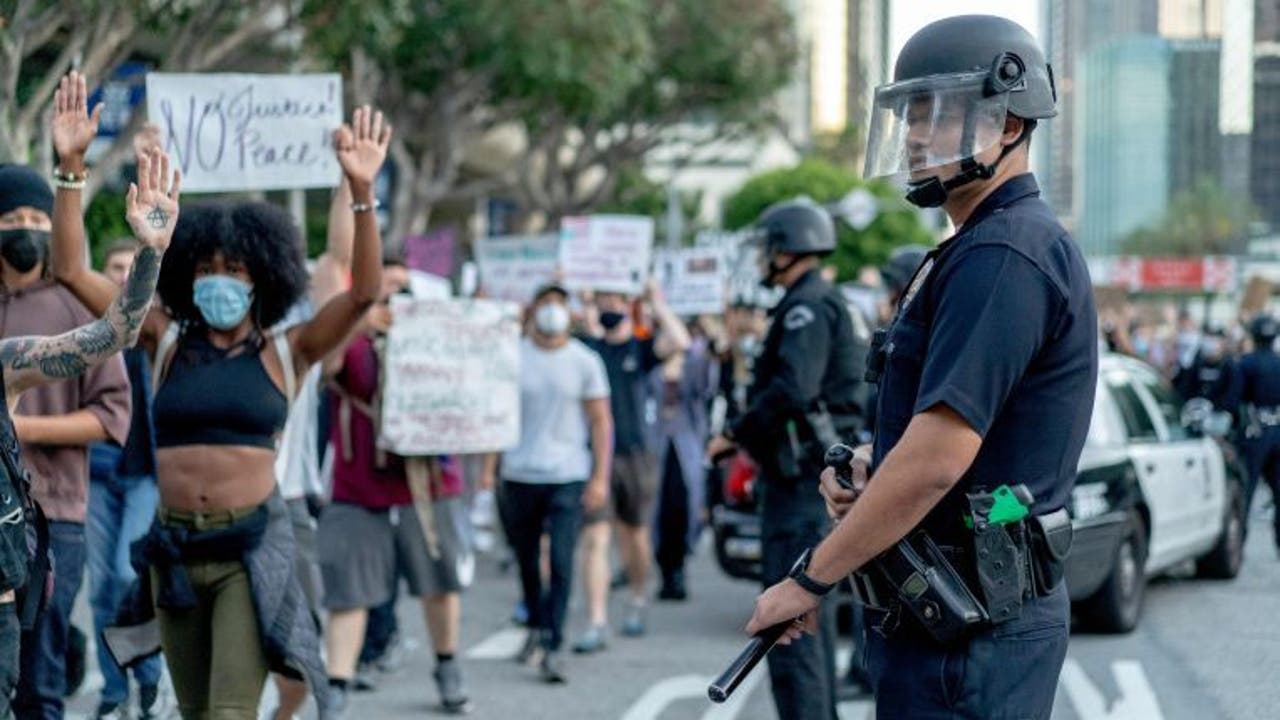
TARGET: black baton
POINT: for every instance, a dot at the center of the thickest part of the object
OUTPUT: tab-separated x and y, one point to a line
837	458
757	647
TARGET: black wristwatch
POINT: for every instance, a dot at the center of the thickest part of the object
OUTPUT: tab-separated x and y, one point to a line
799	574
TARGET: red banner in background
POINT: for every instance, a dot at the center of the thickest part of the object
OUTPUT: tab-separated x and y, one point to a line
1213	273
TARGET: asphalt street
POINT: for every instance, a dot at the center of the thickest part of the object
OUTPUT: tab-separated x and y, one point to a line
1203	649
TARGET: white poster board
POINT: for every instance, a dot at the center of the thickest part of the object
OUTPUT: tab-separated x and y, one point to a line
692	279
230	131
513	267
452	378
609	253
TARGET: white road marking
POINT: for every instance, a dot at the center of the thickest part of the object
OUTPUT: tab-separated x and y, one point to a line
502	645
731	707
661	694
1137	700
856	710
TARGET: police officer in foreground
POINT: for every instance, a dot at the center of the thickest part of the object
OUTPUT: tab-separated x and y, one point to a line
987	378
805	394
1258	390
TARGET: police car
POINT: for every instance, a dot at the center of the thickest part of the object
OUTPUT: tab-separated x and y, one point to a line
1157	489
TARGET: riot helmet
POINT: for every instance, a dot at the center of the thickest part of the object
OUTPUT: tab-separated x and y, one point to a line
798	227
955	83
901	266
1264	330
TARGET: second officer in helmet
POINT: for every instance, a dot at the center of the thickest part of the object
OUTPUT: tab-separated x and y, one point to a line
805	395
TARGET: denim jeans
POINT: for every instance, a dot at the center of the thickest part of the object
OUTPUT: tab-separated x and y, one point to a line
43	681
10	637
121	509
557	510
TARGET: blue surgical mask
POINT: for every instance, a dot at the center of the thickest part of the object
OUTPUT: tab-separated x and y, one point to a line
223	300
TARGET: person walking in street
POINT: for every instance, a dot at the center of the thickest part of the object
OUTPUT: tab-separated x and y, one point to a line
221	551
558	472
371	535
807	368
1256	392
634	481
987	379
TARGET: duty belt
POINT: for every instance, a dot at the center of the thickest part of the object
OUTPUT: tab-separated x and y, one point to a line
1268	416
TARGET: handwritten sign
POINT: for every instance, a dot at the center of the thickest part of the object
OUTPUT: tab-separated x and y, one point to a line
230	132
608	253
453	378
693	279
512	267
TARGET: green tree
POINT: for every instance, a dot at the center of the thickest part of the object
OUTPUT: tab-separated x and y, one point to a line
895	223
707	67
635	194
1205	220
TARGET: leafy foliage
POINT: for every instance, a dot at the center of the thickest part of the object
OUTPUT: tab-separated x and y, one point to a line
896	224
1205	220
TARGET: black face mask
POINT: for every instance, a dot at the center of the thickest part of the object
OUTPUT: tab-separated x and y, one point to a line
23	248
611	320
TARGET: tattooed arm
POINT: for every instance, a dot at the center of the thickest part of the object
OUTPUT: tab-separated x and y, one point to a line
152	211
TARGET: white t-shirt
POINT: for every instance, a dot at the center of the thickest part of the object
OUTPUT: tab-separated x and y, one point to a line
554	429
297	465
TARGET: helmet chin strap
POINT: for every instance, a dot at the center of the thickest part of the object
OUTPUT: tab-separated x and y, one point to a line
933	192
770	279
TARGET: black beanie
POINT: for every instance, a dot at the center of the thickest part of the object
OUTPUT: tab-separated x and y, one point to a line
21	186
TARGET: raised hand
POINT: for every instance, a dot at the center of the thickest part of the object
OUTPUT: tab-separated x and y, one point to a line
151	206
74	127
362	146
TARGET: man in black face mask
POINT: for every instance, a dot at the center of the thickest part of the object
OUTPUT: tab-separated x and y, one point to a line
56	423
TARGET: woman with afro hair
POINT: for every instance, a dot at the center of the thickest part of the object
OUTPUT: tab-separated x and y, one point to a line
221	550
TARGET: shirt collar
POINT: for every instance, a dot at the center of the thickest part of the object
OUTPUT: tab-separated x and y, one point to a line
1014	189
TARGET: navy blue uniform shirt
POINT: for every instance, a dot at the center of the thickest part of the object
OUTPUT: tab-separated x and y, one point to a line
1001	329
1259	379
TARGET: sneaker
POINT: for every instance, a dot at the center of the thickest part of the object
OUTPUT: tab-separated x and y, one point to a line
157	702
453	698
619	581
339	699
592	640
364	680
553	668
673	587
532	651
520	613
110	711
634	625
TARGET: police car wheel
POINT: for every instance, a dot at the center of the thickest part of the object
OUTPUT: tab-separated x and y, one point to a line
1224	560
1116	606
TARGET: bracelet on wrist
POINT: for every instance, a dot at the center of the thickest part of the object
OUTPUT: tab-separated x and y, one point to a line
68	184
359	207
60	175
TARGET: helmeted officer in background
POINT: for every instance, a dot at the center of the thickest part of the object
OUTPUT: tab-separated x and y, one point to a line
987	379
1258	390
1209	375
805	393
897	272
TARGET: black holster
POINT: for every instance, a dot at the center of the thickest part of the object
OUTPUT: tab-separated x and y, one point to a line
915	576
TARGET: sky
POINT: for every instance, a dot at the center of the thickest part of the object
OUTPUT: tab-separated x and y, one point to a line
908	16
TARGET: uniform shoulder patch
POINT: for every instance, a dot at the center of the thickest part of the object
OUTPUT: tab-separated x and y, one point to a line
798	317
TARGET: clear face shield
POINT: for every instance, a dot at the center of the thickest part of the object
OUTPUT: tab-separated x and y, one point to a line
928	127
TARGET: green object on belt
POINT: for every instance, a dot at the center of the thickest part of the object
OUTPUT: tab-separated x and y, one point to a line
1008	505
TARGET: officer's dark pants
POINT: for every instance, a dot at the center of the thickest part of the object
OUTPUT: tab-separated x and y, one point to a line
1262	460
1006	673
802	674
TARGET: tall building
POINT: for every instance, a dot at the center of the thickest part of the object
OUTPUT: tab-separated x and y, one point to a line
1264	159
1072	28
1122	140
1189	19
1195	142
1267	21
869	48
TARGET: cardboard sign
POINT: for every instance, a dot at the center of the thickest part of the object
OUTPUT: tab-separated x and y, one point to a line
606	253
231	132
1257	295
452	378
512	267
692	279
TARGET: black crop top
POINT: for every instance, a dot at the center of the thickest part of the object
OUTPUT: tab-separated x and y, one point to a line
211	397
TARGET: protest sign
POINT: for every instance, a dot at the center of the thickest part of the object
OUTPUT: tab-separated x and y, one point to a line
452	378
431	253
512	267
608	253
230	132
692	279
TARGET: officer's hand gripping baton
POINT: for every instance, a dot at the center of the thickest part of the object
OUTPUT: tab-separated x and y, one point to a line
838	458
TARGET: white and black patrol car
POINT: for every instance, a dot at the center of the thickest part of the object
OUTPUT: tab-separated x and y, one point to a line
1157	489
